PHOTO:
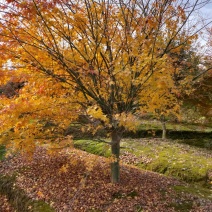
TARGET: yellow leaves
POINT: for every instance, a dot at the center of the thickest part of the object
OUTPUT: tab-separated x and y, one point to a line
23	117
40	194
64	168
102	54
80	21
74	162
96	112
177	49
162	84
128	121
160	93
91	163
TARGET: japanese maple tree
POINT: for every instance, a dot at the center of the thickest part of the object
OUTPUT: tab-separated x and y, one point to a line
108	59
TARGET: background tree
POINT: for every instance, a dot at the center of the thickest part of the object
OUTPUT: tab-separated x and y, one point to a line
185	64
103	58
200	97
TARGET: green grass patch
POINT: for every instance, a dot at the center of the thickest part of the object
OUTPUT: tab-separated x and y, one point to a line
186	163
184	166
191	189
94	147
201	142
195	189
156	125
18	199
184	206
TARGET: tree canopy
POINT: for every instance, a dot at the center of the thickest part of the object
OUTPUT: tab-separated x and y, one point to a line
111	60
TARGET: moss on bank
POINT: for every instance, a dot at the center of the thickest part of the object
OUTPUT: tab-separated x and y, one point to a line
171	158
186	163
164	157
94	147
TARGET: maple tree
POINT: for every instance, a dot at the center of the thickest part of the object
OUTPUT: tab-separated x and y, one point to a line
107	59
185	64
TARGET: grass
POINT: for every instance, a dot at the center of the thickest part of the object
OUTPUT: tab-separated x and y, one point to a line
190	189
184	206
194	189
156	125
180	158
171	158
94	147
198	142
135	192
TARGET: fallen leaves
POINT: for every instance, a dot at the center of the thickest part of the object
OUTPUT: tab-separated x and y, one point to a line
4	204
129	158
40	194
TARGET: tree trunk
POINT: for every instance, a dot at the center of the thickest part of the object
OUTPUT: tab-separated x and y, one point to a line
115	149
164	130
163	122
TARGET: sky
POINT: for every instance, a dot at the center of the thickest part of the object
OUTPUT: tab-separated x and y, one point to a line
206	14
207	9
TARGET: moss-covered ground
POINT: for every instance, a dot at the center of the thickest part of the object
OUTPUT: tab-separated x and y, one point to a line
170	157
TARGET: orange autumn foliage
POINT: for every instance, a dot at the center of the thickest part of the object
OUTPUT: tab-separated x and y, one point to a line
108	59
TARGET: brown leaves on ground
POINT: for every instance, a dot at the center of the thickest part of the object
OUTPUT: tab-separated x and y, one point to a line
129	158
4	204
73	180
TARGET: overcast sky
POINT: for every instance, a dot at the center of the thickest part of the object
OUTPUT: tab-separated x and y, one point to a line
206	14
207	10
